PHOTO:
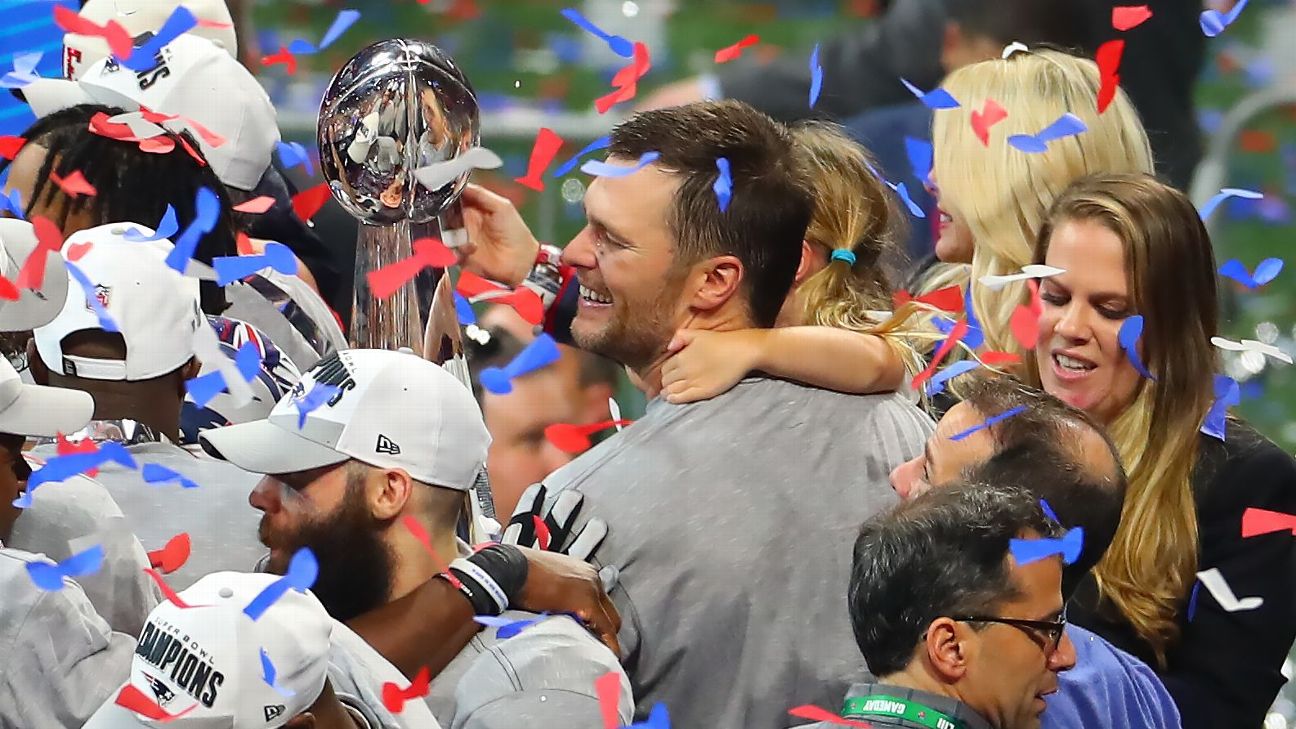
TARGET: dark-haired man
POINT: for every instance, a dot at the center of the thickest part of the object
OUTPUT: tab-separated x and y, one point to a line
1066	459
726	518
958	632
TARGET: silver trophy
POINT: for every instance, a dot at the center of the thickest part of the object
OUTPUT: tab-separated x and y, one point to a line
397	107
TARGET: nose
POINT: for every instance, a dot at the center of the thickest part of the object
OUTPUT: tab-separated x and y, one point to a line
579	253
265	496
1064	658
903	477
1073	323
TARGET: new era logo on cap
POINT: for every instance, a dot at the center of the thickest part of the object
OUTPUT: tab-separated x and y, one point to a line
273	712
385	445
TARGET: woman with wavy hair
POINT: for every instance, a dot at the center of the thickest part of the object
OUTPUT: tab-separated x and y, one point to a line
1130	245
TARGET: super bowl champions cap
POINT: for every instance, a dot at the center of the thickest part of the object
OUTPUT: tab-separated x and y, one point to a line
139	17
391	410
203	664
195	79
37	410
34	307
156	309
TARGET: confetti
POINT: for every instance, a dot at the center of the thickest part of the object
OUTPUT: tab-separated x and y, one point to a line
134	700
1223	594
936	385
1108	58
394	697
960	329
293	154
74	184
540	353
207	213
542	532
730	53
438	175
658	718
428	253
570	438
546	147
948	299
49	577
463	310
1251	345
344	20
506	628
626	81
615	43
171	557
608	689
604	169
919	152
282	56
1227	394
993	359
1066	125
145	57
302	571
1030	271
723	186
166	590
1213	22
523	300
320	394
13	204
1192	601
816	76
1265	272
989	422
235	268
814	713
1026	551
1225	194
975	336
991	114
903	192
1025	319
1048	511
1128	17
1130	331
269	674
117	37
594	146
1262	521
256	205
614	409
168	227
308	202
937	98
24	70
49	237
65	447
153	473
9	146
61	468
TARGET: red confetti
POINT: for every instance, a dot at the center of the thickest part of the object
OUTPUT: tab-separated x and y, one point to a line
256	205
173	556
995	359
1108	58
948	299
1126	17
419	533
74	184
394	697
991	114
158	145
9	146
428	252
730	53
960	329
308	202
243	245
132	699
1262	521
1257	141
570	438
523	300
608	689
117	37
814	713
77	251
547	144
48	238
211	138
626	81
543	537
65	447
285	57
1025	319
167	592
8	291
204	23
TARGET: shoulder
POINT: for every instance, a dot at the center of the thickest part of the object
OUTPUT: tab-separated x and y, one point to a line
30	614
357	672
1108	687
1247	469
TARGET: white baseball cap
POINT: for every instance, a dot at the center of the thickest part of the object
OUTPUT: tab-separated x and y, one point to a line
196	80
394	410
208	657
156	309
36	410
34	307
139	17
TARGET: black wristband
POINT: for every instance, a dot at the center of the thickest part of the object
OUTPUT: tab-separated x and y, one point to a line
494	577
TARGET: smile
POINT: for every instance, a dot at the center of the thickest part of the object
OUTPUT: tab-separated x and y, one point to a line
593	297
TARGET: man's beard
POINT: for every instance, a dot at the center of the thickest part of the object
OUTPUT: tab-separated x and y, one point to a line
355	566
636	338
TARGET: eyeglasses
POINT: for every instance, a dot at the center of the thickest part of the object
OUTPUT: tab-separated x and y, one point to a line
1049	630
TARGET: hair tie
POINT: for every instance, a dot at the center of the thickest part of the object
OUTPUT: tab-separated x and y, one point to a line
1014	47
843	254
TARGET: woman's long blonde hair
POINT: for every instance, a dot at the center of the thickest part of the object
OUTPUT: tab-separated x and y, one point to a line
1003	193
1170	269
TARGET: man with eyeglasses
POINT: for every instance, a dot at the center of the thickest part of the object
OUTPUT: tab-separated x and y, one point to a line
959	633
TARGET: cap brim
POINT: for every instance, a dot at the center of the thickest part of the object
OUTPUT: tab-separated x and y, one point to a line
263	447
48	95
46	411
33	308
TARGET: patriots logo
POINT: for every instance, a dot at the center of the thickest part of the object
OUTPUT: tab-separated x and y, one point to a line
103	294
160	691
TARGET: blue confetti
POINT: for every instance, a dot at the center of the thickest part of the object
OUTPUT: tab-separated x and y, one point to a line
154	473
235	268
541	352
1069	546
1192	601
464	310
1066	125
1213	22
603	169
203	388
1224	194
937	98
723	186
24	65
321	393
594	146
620	46
208	213
269	675
13	203
106	322
144	57
1265	272
990	422
920	158
302	572
903	192
167	228
658	718
1048	511
506	628
975	336
248	361
49	577
293	154
1227	394
345	19
1130	332
936	384
816	76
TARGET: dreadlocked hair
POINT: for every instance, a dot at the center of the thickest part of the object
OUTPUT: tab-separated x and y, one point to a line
132	186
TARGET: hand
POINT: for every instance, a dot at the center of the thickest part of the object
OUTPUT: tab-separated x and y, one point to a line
706	364
500	246
558	519
557	583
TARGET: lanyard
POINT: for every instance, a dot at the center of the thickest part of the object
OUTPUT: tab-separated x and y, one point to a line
898	708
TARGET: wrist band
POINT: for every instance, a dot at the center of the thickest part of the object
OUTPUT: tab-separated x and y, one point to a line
493	577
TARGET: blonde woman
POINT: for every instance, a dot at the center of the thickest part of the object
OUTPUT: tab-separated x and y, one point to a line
1131	245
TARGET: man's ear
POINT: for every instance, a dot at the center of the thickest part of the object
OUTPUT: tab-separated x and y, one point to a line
39	372
188	371
949	648
304	720
389	494
720	278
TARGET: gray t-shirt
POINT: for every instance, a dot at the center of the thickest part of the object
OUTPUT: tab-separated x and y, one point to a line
541	678
58	659
357	672
731	523
222	526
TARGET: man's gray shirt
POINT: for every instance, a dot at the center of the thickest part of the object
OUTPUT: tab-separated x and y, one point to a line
731	523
